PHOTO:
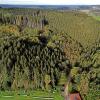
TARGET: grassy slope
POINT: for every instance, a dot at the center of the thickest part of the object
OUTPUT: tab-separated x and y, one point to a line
97	17
41	94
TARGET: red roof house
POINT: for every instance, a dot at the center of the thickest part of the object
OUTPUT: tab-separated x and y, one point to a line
73	96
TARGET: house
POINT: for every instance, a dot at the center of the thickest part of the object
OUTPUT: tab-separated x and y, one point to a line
73	96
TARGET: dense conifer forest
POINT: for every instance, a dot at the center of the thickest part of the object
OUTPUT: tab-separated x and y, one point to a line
40	49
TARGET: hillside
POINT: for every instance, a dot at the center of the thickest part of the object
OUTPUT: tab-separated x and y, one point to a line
79	26
45	49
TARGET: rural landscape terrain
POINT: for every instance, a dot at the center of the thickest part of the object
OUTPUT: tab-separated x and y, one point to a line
44	48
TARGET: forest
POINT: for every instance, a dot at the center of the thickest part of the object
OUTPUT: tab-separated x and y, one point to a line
41	49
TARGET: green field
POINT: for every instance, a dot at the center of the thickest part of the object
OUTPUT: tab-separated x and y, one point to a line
97	18
33	95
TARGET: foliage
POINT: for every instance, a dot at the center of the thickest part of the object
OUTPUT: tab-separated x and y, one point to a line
41	48
22	62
